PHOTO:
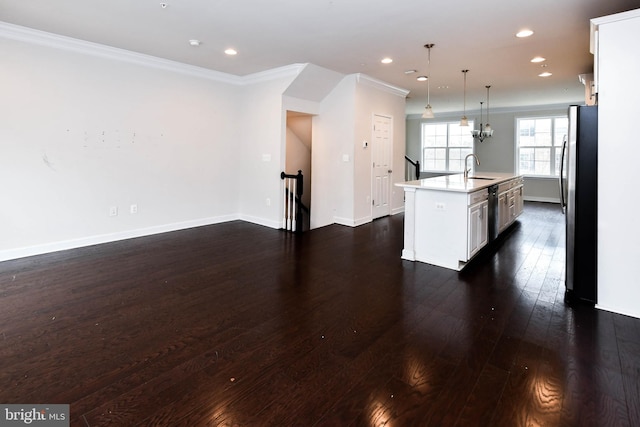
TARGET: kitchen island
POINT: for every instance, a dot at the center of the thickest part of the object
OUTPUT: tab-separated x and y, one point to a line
449	219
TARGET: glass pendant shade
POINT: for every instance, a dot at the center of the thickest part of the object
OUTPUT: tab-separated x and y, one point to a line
464	121
428	112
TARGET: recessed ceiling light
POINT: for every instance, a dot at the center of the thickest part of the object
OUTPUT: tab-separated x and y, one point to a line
410	71
194	42
422	78
231	52
538	59
524	33
387	61
545	74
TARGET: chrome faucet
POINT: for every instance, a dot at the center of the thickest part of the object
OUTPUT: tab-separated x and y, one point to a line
466	171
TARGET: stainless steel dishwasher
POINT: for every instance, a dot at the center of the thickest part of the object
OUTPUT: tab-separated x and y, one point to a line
493	212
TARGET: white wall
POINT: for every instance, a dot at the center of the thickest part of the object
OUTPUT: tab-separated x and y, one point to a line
371	100
83	133
259	152
88	127
333	133
341	183
618	153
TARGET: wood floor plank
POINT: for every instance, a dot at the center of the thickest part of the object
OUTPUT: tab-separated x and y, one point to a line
240	325
484	398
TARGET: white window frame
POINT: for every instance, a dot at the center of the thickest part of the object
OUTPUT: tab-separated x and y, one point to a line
448	148
555	148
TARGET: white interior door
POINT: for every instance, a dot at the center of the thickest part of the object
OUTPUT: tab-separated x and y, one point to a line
381	158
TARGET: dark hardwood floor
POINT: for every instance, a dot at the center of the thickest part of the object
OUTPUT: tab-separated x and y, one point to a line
241	325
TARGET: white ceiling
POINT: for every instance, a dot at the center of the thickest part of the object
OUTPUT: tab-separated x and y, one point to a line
352	36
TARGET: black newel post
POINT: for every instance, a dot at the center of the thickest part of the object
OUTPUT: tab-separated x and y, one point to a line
415	164
299	190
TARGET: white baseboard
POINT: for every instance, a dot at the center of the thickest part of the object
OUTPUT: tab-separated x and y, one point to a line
352	222
364	220
261	221
541	199
614	310
344	221
408	255
10	254
397	210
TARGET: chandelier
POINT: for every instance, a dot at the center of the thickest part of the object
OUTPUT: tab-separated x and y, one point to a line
486	131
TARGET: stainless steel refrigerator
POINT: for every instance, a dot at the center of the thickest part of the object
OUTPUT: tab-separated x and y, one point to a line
579	197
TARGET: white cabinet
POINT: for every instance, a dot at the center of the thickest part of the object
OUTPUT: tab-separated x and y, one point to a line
589	83
519	201
510	202
447	218
617	62
503	210
595	50
478	227
445	228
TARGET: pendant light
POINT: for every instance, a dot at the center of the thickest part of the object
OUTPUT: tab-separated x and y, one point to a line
463	120
428	111
476	133
487	129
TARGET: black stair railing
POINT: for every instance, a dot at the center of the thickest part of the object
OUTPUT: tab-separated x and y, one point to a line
416	165
293	209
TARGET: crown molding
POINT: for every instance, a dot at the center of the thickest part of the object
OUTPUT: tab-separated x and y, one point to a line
379	84
522	109
56	41
281	72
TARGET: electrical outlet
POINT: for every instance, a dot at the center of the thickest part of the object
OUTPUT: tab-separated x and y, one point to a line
133	209
113	211
440	206
268	201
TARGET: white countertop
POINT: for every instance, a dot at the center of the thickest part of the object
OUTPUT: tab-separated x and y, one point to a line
458	183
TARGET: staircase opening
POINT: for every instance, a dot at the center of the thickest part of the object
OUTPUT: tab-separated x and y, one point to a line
298	155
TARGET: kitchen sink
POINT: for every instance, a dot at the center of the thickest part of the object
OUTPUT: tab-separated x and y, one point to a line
480	177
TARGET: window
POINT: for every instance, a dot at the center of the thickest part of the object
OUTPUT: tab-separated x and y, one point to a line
539	145
445	145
